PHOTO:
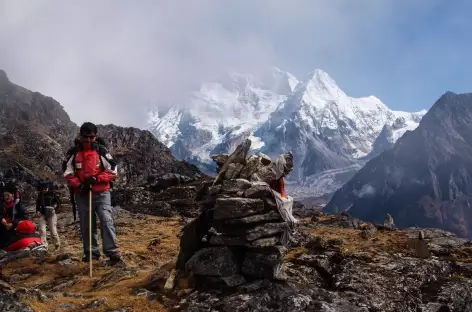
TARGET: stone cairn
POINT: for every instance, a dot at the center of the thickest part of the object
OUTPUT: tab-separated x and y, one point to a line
244	233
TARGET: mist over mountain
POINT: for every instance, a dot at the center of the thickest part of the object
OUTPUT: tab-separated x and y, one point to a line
330	134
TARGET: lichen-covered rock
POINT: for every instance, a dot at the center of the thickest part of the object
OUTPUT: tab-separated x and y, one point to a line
235	185
258	190
167	180
253	165
213	261
270	216
263	262
225	240
233	208
251	233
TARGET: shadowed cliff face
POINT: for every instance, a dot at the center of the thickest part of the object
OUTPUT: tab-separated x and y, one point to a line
34	131
425	179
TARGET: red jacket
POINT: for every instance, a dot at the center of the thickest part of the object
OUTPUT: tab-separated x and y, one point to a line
91	162
279	186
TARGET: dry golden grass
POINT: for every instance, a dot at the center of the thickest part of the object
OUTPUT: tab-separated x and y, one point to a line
152	243
386	241
134	237
352	240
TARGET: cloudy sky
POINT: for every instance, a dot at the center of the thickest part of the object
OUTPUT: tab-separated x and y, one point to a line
114	57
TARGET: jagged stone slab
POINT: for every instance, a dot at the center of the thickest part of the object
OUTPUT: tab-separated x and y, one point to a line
237	157
236	207
236	241
270	204
220	159
237	172
235	185
270	216
264	263
253	165
265	174
212	190
421	249
265	160
252	233
258	190
230	170
213	261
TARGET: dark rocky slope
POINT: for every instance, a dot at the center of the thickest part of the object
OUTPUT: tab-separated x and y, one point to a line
35	133
425	179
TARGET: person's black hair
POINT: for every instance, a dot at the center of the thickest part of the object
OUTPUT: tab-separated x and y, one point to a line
88	127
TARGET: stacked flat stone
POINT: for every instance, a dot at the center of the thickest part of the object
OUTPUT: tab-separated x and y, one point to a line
246	241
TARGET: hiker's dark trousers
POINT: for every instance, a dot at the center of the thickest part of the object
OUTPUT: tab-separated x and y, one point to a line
101	207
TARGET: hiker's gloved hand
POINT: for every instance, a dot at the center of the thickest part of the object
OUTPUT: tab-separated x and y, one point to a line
90	181
84	188
87	184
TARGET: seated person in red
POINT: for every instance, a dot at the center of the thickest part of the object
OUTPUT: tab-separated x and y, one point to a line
11	213
25	236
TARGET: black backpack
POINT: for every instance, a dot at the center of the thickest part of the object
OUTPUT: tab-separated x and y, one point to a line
42	184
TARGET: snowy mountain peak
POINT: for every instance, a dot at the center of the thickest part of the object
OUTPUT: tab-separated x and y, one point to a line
320	84
329	132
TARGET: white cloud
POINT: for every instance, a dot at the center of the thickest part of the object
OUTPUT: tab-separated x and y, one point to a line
105	60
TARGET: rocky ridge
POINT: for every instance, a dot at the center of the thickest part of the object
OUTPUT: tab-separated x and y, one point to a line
36	132
425	179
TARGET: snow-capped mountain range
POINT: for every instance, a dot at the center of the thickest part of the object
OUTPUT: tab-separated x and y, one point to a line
330	134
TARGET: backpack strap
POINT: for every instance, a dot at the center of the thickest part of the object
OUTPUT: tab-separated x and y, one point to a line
103	152
71	152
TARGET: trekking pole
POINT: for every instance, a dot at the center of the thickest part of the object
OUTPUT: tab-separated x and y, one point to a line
90	232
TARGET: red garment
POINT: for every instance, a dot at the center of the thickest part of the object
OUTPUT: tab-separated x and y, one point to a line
25	227
87	164
279	187
23	243
7	212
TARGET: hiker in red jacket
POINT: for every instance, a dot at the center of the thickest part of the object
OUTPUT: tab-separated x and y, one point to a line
92	168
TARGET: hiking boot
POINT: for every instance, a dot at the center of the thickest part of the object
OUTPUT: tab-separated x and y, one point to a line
94	257
116	260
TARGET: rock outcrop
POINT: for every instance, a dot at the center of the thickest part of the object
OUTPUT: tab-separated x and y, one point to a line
330	267
425	180
335	269
242	234
36	132
143	160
